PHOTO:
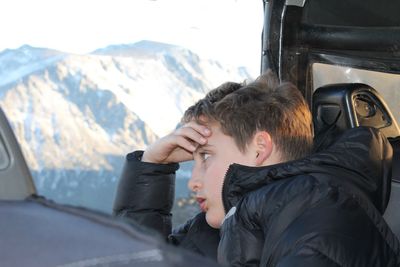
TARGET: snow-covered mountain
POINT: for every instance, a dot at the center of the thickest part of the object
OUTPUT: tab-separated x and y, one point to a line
76	116
15	64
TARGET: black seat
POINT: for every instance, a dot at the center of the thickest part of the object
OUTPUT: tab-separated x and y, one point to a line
348	105
395	142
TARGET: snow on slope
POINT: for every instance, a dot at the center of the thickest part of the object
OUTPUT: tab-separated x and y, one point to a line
15	64
169	78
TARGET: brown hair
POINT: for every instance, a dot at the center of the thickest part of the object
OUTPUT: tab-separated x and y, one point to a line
262	105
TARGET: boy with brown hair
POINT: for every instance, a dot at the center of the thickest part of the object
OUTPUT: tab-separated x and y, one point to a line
254	180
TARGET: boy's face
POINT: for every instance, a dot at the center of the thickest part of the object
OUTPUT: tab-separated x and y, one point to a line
211	163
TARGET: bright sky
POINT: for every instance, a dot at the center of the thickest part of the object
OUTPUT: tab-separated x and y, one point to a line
226	30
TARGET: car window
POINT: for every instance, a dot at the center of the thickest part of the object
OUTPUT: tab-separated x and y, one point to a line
386	84
83	83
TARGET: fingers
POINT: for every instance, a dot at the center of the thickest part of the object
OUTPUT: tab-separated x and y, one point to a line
195	133
179	145
186	144
202	129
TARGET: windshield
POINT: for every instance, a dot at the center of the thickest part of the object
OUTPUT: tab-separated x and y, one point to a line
83	83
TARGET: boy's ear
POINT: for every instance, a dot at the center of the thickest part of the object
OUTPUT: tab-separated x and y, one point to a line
263	146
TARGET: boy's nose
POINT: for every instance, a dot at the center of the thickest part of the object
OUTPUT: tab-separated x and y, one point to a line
194	184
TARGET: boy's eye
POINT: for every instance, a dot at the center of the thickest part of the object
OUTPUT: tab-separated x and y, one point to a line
204	156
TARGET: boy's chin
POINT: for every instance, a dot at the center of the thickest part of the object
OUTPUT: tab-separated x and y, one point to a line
213	220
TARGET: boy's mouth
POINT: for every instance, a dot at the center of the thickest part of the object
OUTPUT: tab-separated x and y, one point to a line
202	203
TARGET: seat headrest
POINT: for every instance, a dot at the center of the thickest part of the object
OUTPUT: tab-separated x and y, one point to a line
349	105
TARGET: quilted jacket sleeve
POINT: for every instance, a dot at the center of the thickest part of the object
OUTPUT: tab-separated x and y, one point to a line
146	193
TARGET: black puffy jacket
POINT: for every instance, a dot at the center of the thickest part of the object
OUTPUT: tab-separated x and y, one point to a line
323	210
145	195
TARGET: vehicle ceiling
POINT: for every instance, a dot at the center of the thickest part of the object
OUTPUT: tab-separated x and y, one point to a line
362	34
356	13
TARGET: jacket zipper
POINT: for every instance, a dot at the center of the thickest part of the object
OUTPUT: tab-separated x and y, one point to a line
224	185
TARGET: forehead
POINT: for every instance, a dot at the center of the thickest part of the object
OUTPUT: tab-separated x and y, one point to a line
217	137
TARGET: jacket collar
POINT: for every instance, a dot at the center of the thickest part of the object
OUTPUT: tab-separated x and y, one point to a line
361	157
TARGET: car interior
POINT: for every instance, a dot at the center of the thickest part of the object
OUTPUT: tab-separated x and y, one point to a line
349	105
348	34
16	182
